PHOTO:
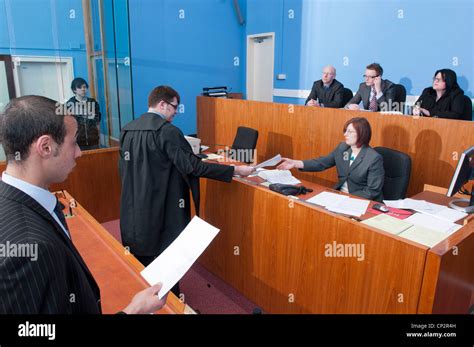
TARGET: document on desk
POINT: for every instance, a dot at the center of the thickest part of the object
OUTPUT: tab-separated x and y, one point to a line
424	236
387	223
351	207
340	203
435	224
270	162
438	211
213	156
176	260
327	199
278	176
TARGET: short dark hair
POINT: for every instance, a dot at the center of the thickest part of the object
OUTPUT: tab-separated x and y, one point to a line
375	66
164	93
78	83
362	128
27	118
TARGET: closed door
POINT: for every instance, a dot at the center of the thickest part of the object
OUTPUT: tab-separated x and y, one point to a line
260	61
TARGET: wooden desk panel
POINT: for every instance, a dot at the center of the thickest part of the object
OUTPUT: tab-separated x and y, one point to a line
300	132
273	251
116	271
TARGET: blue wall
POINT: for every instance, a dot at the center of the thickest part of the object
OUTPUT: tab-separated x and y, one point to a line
44	28
410	39
187	54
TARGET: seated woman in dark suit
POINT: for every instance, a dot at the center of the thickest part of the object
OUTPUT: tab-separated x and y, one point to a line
359	166
444	100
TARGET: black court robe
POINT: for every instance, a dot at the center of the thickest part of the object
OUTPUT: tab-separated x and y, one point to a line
158	168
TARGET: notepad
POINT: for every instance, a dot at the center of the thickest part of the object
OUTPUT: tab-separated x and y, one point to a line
387	223
424	236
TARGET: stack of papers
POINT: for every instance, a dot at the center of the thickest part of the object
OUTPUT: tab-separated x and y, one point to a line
278	176
435	224
439	211
340	203
387	223
176	260
424	236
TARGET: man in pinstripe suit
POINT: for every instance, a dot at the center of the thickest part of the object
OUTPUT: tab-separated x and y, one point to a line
41	148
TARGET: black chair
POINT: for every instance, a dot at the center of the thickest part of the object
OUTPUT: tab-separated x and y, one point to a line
244	145
397	166
346	96
400	98
467	112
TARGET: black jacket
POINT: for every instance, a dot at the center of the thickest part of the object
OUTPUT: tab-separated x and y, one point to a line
450	105
88	118
333	97
158	168
58	281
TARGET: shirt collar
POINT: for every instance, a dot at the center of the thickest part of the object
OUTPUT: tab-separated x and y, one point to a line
159	114
44	197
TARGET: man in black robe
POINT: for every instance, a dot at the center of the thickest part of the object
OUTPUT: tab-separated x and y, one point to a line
158	168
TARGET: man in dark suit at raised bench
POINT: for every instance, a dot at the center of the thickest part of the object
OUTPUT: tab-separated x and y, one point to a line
41	271
375	93
327	92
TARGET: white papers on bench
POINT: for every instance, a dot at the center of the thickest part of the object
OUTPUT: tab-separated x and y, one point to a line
438	211
340	203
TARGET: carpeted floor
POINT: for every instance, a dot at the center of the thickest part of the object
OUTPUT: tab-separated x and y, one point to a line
204	292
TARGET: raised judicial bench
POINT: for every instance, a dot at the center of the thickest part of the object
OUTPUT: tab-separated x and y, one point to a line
272	249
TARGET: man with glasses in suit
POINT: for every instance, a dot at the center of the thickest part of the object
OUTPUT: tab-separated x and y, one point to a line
375	93
158	170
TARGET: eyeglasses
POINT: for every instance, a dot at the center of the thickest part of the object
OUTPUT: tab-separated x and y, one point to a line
174	106
350	131
437	80
371	77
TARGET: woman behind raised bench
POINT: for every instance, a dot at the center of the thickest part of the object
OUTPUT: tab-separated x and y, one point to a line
359	167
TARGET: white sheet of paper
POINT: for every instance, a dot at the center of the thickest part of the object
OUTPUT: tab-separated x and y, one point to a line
327	199
278	176
270	162
204	148
438	211
352	207
176	260
435	224
212	156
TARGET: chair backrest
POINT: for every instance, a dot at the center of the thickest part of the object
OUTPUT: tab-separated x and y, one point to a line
397	166
400	93
347	95
246	138
244	145
467	112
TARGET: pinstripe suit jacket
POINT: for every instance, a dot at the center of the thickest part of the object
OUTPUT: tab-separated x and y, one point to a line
58	281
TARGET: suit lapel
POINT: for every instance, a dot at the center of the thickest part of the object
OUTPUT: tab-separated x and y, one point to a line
359	158
17	195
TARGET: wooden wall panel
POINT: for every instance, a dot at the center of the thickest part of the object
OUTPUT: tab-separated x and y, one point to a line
434	145
95	183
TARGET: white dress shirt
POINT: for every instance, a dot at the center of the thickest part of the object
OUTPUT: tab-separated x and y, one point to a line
44	197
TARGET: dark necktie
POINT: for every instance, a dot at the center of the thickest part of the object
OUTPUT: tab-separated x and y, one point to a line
373	101
58	210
